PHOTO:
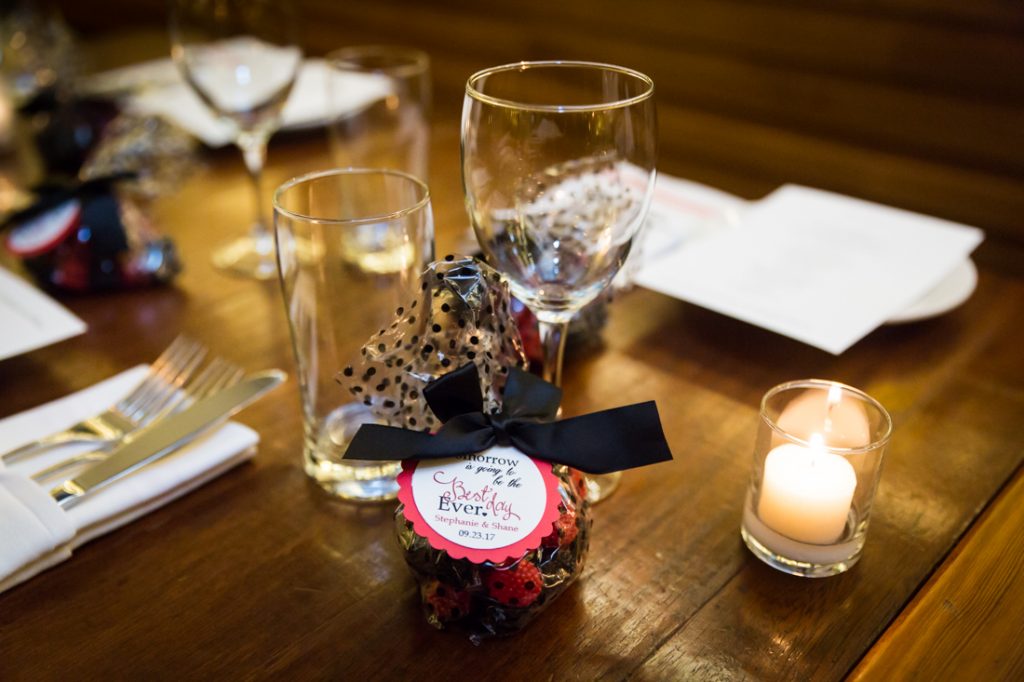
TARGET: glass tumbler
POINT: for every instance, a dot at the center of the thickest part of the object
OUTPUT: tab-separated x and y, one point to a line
390	131
350	247
817	463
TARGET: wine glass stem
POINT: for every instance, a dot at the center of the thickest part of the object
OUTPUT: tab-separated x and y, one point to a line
254	151
552	341
553	333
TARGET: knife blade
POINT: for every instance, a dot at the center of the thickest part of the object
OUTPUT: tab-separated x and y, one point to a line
167	435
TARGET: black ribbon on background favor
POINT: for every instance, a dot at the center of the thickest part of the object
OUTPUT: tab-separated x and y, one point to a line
597	443
50	194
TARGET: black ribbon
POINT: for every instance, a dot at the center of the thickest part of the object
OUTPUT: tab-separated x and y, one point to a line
598	443
52	193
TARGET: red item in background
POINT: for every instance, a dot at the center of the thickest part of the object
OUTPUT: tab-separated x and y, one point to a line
90	237
46	231
527	323
70	269
584	331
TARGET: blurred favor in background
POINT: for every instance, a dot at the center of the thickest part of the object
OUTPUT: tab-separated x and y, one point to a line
76	173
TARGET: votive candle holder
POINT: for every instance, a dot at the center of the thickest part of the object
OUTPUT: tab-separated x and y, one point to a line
817	463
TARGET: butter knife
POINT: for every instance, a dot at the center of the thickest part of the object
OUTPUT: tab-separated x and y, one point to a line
167	435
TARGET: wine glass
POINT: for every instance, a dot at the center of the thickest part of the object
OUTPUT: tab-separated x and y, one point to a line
558	168
393	129
241	57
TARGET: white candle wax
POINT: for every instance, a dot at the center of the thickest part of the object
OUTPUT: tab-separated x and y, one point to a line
798	551
806	493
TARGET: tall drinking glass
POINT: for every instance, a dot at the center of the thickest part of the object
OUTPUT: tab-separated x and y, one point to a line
558	168
392	131
351	245
241	57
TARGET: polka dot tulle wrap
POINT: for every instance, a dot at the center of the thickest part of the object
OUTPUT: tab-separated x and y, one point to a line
461	314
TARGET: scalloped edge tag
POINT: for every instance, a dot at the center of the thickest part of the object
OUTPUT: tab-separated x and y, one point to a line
46	231
490	506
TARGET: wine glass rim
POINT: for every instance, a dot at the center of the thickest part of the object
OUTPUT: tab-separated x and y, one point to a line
475	93
415	62
382	217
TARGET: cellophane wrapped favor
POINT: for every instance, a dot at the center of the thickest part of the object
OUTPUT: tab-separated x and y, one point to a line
462	315
95	231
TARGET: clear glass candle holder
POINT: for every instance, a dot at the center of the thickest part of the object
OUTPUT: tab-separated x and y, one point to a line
817	463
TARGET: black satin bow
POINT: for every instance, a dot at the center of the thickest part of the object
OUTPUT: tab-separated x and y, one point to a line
598	443
52	193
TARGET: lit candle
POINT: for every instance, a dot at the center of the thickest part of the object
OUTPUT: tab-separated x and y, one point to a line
806	492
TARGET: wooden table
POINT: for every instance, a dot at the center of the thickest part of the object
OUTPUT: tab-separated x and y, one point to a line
259	574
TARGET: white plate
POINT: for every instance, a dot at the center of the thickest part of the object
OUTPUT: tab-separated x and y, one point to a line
157	89
950	293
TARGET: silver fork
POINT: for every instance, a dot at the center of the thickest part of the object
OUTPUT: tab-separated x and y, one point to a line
147	401
215	377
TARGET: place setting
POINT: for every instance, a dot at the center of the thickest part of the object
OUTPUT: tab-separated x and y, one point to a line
499	403
59	490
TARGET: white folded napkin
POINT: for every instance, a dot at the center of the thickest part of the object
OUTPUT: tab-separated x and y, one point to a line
36	533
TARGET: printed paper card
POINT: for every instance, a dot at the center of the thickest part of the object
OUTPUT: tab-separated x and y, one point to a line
487	506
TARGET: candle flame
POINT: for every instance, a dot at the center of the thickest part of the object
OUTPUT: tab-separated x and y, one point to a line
817	449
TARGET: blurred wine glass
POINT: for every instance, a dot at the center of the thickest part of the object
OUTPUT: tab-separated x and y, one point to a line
558	168
241	57
37	52
391	131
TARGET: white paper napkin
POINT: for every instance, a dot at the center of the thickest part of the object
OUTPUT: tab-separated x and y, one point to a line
30	319
36	533
682	211
818	267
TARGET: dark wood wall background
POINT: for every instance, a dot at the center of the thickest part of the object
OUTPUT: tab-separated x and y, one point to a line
913	103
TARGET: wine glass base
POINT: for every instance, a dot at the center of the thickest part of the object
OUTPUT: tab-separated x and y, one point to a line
244	257
601	487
